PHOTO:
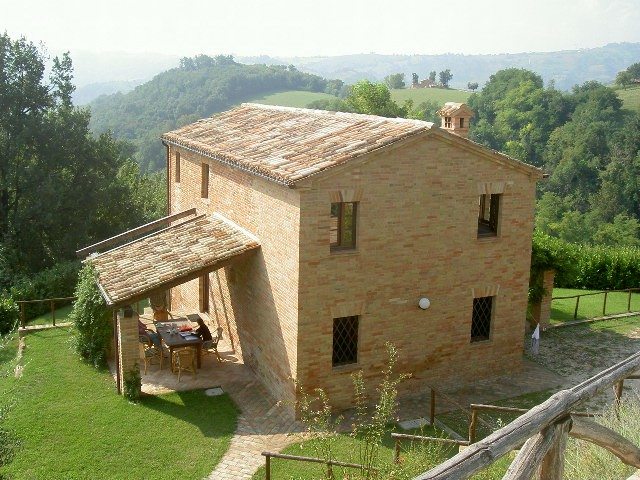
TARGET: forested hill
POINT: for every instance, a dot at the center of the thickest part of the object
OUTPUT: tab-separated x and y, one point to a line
199	87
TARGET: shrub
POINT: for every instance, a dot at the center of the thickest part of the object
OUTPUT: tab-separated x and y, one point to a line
57	281
9	314
92	319
132	385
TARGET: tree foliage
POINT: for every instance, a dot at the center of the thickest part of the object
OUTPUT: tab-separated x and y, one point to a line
60	187
445	77
395	81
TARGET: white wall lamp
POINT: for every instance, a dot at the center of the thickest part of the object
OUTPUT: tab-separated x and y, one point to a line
424	303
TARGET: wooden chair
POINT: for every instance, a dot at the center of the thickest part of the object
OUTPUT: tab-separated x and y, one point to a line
211	346
148	352
184	359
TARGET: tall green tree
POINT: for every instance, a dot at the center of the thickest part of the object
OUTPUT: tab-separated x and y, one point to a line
445	77
395	80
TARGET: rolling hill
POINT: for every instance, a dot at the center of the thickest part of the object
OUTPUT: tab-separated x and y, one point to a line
630	97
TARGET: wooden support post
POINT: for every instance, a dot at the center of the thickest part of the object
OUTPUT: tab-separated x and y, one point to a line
575	313
552	466
22	316
432	412
396	450
531	454
617	392
267	467
329	470
629	302
53	312
604	305
472	426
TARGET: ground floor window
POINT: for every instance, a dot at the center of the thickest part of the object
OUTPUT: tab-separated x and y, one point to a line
481	318
345	340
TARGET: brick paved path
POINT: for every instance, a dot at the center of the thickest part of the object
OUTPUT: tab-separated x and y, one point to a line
262	425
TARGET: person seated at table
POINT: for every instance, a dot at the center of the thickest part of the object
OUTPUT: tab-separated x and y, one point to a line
144	331
203	331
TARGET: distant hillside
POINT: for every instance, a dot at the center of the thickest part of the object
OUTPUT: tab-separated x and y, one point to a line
565	68
197	89
437	95
85	94
630	97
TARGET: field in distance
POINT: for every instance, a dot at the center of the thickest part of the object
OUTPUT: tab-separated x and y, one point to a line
630	97
438	95
291	98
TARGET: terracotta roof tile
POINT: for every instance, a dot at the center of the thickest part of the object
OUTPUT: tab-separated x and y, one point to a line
288	144
177	252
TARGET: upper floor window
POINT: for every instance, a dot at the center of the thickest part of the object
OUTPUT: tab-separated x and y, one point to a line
177	167
489	207
342	233
204	185
447	122
462	123
481	319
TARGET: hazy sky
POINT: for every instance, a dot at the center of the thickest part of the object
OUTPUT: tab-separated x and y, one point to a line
322	27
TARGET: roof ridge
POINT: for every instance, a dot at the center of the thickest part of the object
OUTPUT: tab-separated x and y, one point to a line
337	114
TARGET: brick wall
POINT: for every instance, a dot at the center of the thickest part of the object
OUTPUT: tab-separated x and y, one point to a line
129	346
417	237
256	300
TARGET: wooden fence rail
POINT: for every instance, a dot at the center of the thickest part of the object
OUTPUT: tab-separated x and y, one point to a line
544	430
52	304
606	293
329	463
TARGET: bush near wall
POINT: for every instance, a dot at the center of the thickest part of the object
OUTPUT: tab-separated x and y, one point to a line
584	266
55	282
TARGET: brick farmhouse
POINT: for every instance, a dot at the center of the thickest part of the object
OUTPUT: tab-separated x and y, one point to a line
349	231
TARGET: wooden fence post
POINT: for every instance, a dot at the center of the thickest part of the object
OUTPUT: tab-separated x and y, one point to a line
629	302
472	426
267	467
432	410
552	466
604	305
575	313
22	317
53	312
396	450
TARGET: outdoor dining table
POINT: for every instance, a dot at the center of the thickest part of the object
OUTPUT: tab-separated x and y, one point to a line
176	340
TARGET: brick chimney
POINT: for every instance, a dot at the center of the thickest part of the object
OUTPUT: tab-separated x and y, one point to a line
455	118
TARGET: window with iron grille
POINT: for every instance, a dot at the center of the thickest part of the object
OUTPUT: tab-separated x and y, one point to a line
345	340
489	208
204	186
481	319
342	232
447	122
177	167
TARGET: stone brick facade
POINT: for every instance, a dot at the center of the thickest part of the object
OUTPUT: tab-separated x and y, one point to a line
129	347
416	237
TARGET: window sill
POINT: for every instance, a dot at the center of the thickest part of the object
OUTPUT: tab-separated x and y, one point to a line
344	251
488	238
489	341
346	368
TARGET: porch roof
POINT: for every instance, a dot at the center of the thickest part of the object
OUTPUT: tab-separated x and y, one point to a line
169	257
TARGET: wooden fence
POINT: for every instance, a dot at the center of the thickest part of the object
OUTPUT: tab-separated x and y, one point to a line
543	430
329	463
50	301
605	293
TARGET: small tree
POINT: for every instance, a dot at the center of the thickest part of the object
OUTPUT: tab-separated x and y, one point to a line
91	318
473	86
445	77
432	76
415	80
395	81
624	79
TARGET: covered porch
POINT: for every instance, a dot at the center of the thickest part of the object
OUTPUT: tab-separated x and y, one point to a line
189	248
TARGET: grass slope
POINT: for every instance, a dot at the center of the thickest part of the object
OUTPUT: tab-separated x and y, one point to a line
630	97
438	95
72	425
562	310
291	98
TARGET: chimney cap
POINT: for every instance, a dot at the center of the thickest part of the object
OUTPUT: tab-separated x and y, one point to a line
455	109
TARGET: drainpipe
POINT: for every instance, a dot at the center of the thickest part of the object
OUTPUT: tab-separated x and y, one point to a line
117	347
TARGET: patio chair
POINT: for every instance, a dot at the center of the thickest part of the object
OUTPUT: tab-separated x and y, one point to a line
148	351
211	346
184	360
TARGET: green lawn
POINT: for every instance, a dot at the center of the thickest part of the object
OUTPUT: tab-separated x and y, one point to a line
630	97
438	95
292	98
72	425
562	310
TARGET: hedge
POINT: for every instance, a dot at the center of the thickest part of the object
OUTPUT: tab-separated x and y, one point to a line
584	266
